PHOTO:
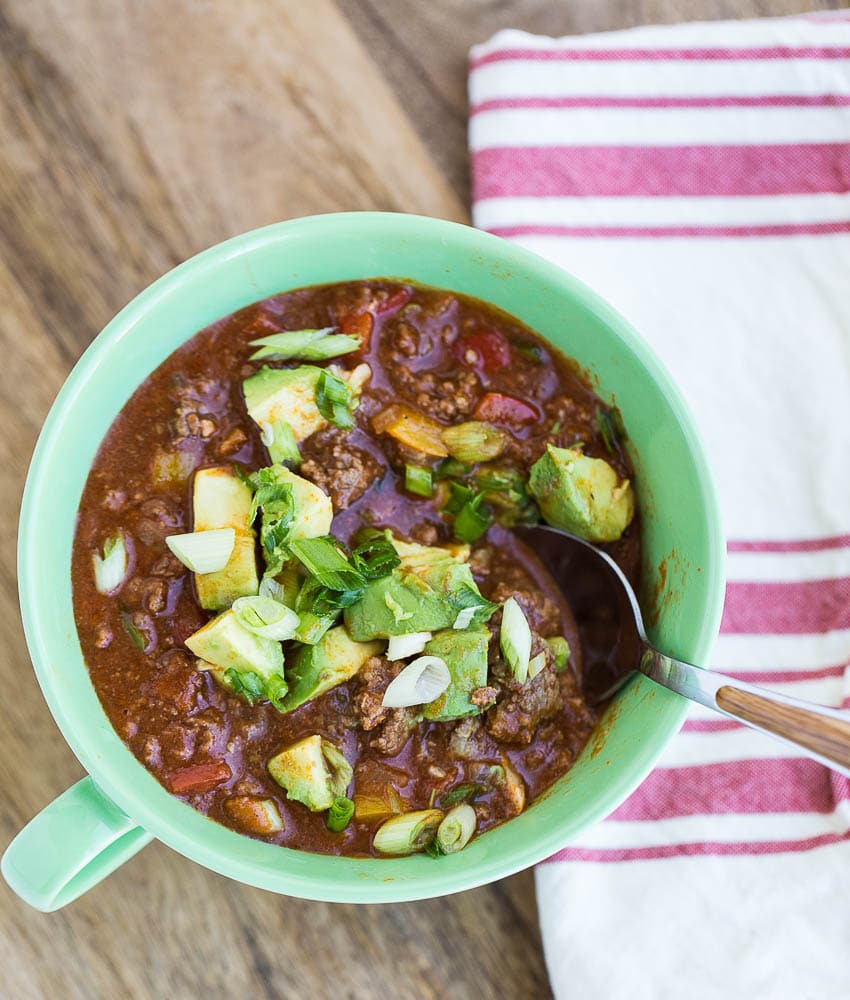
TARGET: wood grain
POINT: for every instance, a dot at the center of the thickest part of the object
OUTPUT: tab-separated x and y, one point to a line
132	135
424	49
821	733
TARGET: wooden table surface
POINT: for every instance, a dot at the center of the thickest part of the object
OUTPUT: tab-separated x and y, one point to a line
134	133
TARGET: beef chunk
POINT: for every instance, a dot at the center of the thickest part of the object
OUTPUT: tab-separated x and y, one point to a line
483	696
343	471
522	707
392	725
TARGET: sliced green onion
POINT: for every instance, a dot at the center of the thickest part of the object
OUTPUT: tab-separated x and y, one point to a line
280	440
136	636
203	551
282	588
418	480
459	495
306	345
419	683
375	558
605	428
433	850
472	521
266	617
246	684
465	597
333	399
560	650
534	352
402	646
339	814
461	793
312	625
536	664
464	618
407	833
276	691
474	441
323	558
515	639
287	344
450	468
456	829
110	568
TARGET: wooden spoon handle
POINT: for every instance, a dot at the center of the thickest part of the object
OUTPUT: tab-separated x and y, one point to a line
822	733
825	735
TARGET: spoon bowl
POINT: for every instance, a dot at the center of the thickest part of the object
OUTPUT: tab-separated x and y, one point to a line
615	646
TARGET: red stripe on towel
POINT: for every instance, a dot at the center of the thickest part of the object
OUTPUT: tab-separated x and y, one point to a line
543	171
786	608
662	55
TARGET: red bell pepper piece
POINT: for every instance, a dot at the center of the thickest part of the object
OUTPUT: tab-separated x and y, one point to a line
399	298
358	325
198	777
485	349
499	409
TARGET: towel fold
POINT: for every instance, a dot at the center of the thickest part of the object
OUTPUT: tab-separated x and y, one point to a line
698	177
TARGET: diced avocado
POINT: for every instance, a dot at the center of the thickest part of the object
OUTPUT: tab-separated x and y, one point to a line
412	554
465	654
289	395
582	495
313	771
221	500
333	659
313	510
422	598
226	645
397	605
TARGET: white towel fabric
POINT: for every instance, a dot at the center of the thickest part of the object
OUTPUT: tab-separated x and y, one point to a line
698	177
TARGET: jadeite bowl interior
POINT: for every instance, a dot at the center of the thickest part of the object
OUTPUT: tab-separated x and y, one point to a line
676	496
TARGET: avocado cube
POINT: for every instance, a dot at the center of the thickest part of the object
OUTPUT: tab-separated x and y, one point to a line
582	495
465	654
313	771
285	394
313	510
333	659
225	645
398	604
221	500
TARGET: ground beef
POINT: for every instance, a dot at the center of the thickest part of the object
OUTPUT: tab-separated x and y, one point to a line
483	696
443	395
343	471
392	725
158	518
516	716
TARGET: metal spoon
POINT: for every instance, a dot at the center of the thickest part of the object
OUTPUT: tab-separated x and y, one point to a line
614	645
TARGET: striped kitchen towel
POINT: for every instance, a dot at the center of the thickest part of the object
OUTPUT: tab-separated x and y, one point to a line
698	177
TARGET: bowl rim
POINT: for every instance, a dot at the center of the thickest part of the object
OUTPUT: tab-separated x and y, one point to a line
134	789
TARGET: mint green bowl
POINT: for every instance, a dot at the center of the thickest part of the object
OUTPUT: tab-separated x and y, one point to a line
104	819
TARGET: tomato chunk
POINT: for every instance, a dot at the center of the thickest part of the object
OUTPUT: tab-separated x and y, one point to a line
485	349
396	300
198	777
358	325
501	409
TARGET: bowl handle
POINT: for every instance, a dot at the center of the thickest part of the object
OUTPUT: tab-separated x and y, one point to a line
71	845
